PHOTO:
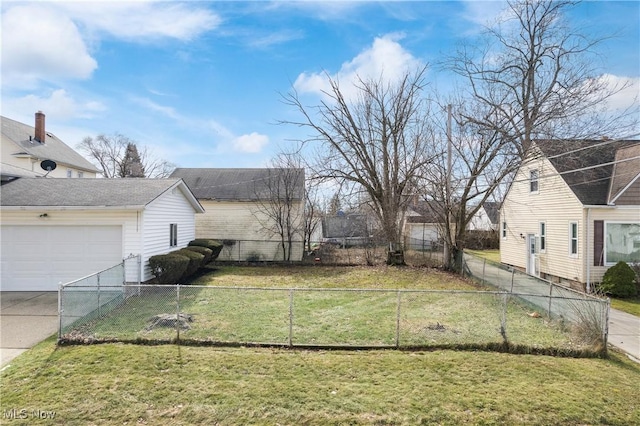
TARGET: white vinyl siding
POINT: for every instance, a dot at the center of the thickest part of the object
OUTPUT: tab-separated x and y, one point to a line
556	206
238	220
174	208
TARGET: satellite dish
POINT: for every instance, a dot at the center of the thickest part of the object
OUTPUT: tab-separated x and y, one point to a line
48	165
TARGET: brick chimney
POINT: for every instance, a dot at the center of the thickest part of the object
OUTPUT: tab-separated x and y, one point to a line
40	132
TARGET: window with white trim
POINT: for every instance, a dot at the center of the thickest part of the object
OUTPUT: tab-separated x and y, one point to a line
543	237
69	173
173	234
80	175
504	230
533	181
621	243
573	238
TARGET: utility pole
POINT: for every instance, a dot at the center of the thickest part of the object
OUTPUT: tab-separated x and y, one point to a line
447	201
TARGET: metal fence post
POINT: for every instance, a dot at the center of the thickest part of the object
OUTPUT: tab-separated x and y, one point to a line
550	298
291	317
60	288
484	264
99	305
398	321
178	313
513	271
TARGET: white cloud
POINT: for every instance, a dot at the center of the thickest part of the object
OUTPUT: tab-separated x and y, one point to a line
627	91
252	143
144	19
39	42
58	105
50	41
385	59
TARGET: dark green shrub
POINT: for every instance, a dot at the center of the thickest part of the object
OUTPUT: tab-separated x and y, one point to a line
206	252
168	268
619	280
195	261
213	245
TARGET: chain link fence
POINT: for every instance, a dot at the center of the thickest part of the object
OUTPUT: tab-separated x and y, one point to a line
585	313
318	318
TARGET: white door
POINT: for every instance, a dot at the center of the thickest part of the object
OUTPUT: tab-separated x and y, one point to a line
531	255
38	258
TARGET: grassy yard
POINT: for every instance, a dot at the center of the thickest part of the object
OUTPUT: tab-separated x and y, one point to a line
492	255
122	384
252	305
130	384
630	305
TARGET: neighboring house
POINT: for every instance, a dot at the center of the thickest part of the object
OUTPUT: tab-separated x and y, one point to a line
422	227
240	207
345	229
58	230
25	147
486	218
573	210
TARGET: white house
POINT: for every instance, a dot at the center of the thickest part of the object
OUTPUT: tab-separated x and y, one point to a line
25	147
59	230
486	218
422	226
573	210
241	208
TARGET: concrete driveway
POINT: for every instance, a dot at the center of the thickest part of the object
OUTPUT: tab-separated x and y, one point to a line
624	332
26	318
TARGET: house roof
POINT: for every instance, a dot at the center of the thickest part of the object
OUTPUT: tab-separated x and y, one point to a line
10	171
493	211
25	193
626	171
425	212
22	136
239	184
587	166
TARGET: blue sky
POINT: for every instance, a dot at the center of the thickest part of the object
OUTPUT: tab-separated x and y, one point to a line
199	83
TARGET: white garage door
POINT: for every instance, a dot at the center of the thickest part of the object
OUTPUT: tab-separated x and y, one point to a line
38	258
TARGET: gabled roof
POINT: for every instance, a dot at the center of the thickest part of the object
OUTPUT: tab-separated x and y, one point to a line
9	172
25	193
425	212
22	136
626	172
239	184
493	211
586	165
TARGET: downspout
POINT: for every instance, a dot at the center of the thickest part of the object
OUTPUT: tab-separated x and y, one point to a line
586	257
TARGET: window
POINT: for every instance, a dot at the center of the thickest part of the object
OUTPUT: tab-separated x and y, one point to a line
69	173
504	230
621	243
173	234
543	236
573	238
80	174
533	181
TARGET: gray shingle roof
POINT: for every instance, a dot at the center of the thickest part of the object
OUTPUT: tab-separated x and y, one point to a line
53	148
592	158
493	211
64	192
238	184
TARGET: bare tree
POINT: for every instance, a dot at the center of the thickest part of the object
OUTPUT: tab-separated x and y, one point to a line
377	142
538	77
280	203
118	157
313	211
456	187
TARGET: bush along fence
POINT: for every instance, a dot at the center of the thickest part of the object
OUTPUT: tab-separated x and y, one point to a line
585	315
319	318
179	265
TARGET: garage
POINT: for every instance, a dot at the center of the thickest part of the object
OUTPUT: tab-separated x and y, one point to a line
39	257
